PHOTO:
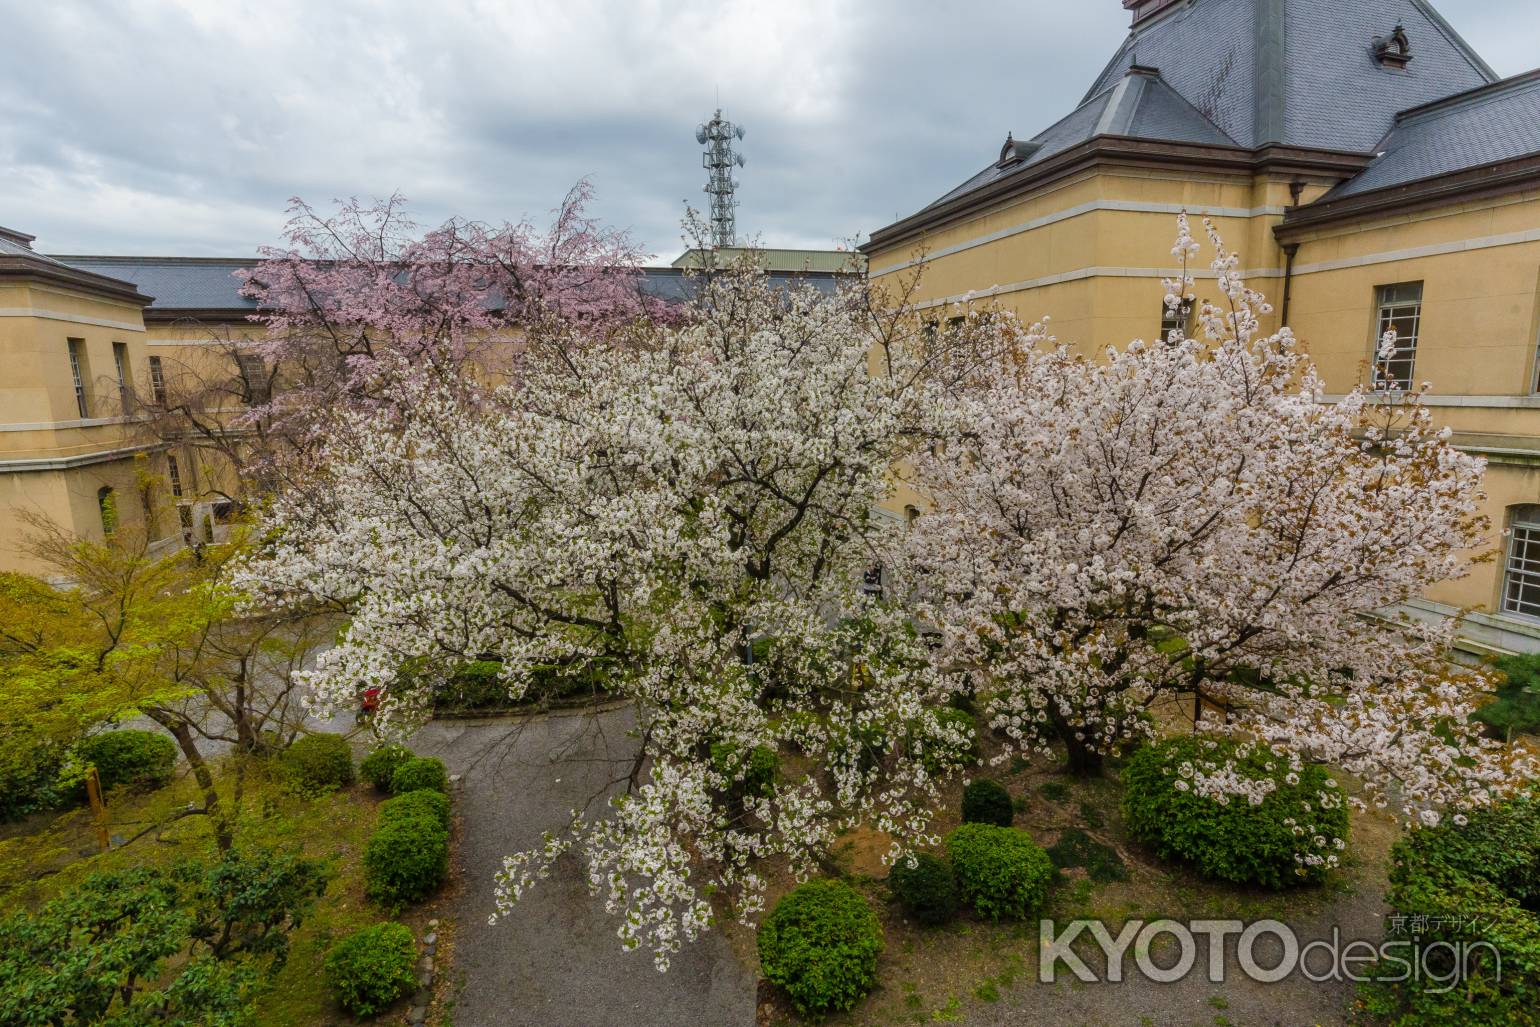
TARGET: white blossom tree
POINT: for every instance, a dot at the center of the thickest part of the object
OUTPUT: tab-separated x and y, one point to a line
655	507
1184	526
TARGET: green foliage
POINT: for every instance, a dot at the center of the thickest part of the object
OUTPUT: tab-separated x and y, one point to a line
1054	791
751	777
1292	837
419	772
379	767
406	859
820	944
987	802
1075	848
318	763
102	952
1517	706
927	890
29	774
371	968
477	685
1000	871
128	757
1476	883
424	802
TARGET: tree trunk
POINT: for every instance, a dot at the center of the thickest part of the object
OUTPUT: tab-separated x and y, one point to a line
1084	761
223	834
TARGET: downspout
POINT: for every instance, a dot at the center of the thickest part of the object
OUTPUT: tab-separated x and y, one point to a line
1296	188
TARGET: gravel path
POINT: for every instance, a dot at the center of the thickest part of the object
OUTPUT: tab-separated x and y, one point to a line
556	962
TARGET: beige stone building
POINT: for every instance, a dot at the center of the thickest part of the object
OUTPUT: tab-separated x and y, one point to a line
1372	171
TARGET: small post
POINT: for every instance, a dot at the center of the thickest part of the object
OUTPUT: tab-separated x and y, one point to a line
98	807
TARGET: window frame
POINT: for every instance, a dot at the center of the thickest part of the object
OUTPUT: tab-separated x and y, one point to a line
1521	573
1183	311
120	365
1387	310
157	381
78	365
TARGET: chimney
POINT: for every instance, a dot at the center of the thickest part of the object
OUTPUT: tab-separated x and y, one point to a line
19	238
1144	10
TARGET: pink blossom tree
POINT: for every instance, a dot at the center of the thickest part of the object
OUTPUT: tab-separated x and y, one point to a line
1186	526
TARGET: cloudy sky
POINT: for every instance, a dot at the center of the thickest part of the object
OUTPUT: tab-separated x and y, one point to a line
183	126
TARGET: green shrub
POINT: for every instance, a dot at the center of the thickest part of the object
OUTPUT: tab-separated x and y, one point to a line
316	763
1517	706
1075	848
419	772
1468	884
127	757
380	765
29	775
927	889
752	777
1295	835
820	944
372	967
424	802
477	686
406	859
1001	871
987	802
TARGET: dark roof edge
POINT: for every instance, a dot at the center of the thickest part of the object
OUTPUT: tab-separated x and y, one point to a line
1431	13
107	258
1113	150
18	266
1484	180
1457	99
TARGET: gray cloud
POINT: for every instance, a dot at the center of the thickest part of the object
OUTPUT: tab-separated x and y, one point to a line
183	126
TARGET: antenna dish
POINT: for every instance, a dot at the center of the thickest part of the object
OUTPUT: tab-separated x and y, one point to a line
738	131
700	134
739	158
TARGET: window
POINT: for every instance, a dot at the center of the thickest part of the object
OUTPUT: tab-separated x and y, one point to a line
157	382
1400	311
1173	320
174	473
254	376
120	364
871	581
77	373
1521	572
107	505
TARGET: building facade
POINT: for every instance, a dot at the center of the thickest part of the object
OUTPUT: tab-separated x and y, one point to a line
1372	171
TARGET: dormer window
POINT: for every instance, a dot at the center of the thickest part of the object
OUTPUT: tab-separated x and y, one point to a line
1015	151
1394	50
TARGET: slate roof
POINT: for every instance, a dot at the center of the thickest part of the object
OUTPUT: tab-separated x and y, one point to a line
1482	126
1249	73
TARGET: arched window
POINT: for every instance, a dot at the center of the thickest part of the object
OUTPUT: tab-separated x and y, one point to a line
107	503
911	513
1521	569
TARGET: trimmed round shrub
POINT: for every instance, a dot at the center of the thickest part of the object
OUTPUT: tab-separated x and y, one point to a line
752	776
380	765
820	944
406	859
927	889
1474	889
987	802
29	775
419	772
1001	871
317	763
128	757
1294	835
371	968
424	802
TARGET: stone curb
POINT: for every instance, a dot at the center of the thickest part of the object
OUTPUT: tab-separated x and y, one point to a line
419	1011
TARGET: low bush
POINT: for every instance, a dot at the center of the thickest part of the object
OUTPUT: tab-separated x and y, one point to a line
406	859
1295	834
424	802
1001	872
419	772
316	763
477	685
29	775
127	757
1473	891
820	944
1516	707
987	802
752	776
925	887
371	968
379	767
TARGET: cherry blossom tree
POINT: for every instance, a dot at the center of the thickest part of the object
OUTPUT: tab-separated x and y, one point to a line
658	506
1186	526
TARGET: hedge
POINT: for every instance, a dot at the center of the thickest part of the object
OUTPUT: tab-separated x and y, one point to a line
29	775
820	944
1294	836
371	968
987	802
1001	871
925	886
379	767
424	802
318	762
406	859
419	772
128	757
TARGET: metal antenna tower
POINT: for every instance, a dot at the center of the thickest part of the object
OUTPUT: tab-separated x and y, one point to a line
717	137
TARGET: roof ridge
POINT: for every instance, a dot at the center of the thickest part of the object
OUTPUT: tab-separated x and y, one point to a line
1460	99
1439	22
107	258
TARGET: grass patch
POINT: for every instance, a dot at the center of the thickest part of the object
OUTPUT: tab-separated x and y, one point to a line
1075	848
